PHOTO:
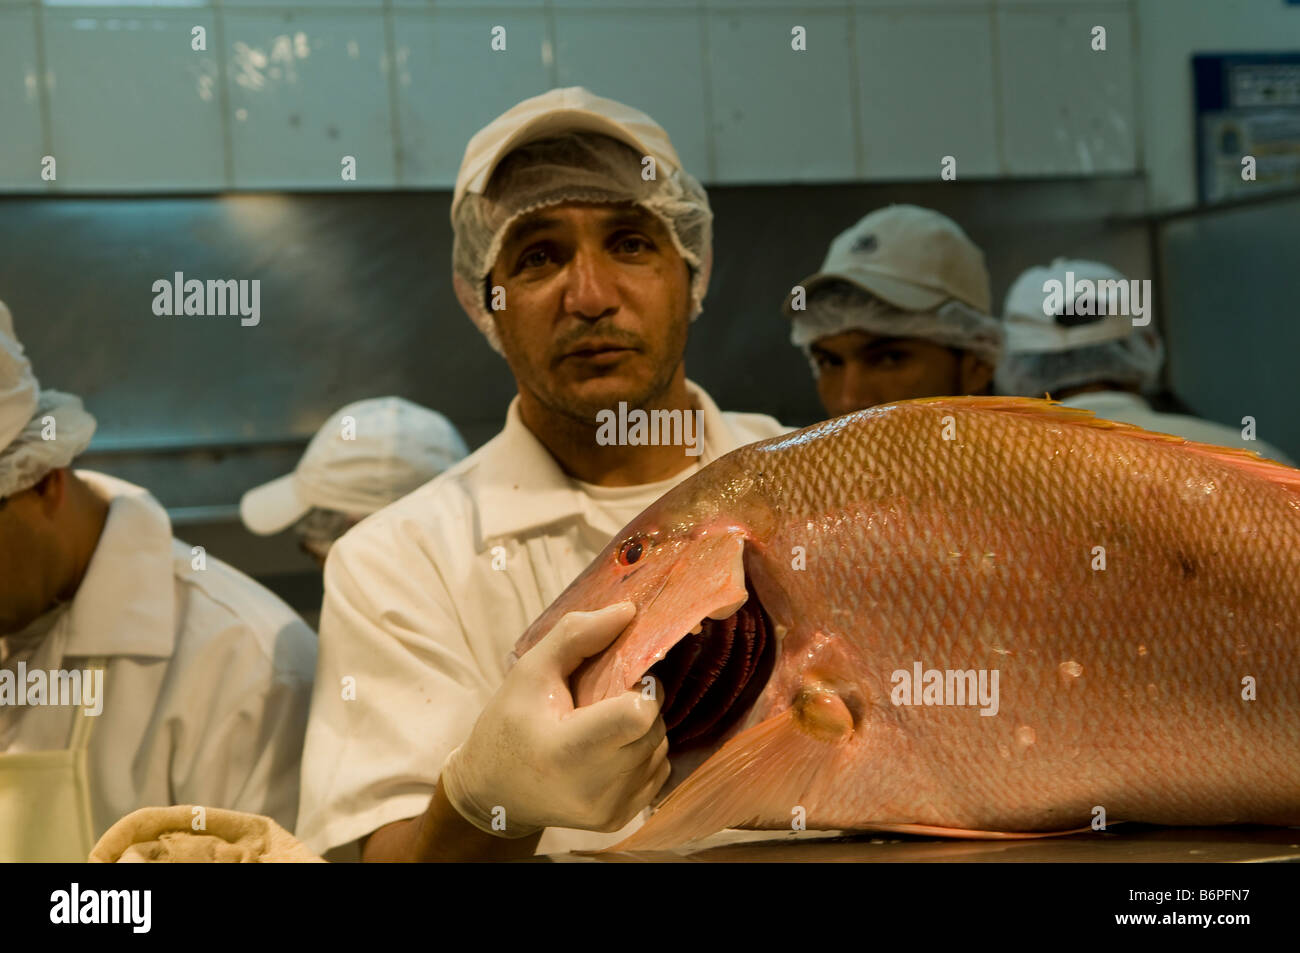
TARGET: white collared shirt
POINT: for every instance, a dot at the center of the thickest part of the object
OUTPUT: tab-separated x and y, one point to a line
416	615
208	676
1127	408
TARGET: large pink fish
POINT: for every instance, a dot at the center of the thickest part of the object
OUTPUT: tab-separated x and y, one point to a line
973	616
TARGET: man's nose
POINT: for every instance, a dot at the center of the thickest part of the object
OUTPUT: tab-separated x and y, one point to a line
859	388
592	290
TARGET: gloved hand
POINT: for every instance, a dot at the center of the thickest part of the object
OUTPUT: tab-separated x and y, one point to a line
548	764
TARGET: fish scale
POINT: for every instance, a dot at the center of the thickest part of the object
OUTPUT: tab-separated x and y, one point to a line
1119	689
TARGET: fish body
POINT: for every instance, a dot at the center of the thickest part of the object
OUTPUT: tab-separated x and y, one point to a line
976	616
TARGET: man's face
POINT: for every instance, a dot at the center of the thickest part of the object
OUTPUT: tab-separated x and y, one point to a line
860	370
597	306
29	560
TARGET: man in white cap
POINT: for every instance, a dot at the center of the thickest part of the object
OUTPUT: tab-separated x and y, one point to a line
179	680
1098	361
900	309
582	251
367	455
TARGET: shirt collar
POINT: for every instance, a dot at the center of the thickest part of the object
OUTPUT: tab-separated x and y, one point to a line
126	602
518	486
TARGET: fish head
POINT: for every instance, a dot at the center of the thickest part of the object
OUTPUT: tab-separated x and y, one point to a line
682	563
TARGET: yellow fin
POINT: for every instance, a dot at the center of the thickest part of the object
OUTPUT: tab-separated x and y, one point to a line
1247	461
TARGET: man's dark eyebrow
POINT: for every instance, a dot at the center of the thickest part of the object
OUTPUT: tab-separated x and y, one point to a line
529	227
882	342
634	217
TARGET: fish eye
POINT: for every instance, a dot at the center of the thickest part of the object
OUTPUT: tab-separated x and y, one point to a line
631	550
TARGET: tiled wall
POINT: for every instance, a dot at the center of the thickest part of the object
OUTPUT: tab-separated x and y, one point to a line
284	90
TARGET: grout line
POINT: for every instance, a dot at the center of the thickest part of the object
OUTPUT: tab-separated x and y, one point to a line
223	95
43	95
855	99
394	115
706	63
1139	116
553	70
999	119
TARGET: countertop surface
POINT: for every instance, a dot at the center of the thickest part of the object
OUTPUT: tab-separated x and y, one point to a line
1121	844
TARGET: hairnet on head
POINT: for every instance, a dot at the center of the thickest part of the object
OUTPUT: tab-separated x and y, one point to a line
1132	361
323	527
30	456
575	167
18	386
1048	352
838	306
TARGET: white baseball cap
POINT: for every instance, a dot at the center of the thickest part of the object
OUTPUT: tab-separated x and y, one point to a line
910	257
367	455
1031	324
557	111
1047	355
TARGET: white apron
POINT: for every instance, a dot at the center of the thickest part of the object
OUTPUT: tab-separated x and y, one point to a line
45	799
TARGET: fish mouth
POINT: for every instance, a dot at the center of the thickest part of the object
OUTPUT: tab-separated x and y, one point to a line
711	678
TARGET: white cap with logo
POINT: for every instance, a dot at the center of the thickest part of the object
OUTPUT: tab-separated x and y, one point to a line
367	455
910	257
1048	351
928	278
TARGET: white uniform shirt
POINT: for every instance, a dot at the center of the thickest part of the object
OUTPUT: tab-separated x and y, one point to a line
416	615
208	676
1128	408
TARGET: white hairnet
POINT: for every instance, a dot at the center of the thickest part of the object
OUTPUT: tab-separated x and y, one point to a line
575	167
1133	361
57	432
839	306
323	527
40	430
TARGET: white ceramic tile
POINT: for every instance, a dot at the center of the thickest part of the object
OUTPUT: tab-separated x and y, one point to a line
641	5
22	145
462	5
451	83
781	115
132	105
912	5
733	6
1066	109
652	61
1074	4
264	5
307	89
925	91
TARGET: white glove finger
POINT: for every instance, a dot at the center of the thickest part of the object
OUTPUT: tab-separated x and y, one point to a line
577	637
643	795
610	724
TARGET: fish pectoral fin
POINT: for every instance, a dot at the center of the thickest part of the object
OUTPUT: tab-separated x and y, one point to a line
755	779
958	833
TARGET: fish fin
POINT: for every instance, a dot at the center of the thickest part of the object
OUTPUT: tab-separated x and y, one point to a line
961	834
757	775
1247	461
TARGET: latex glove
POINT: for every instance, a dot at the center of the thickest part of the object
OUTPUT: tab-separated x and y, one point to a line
534	761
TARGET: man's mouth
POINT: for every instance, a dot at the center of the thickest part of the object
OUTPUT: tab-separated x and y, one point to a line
596	351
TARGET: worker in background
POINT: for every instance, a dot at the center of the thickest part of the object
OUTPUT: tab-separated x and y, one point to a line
367	455
900	309
1099	362
191	681
582	252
